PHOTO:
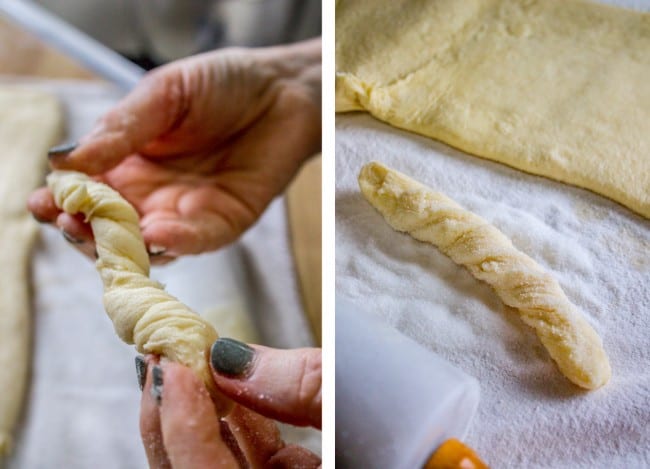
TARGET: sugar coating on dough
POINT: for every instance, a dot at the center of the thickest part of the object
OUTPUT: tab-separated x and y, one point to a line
143	313
557	88
489	255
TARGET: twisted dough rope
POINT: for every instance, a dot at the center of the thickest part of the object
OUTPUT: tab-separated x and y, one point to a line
489	255
143	313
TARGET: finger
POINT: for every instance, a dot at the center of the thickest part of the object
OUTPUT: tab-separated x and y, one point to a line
174	237
150	431
280	384
190	427
77	233
160	260
261	442
292	456
75	228
258	437
41	204
148	112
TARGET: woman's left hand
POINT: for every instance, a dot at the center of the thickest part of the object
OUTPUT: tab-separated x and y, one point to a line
180	427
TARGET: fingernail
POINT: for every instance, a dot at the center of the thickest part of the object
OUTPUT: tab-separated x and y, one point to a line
71	239
141	370
157	383
231	357
60	150
155	250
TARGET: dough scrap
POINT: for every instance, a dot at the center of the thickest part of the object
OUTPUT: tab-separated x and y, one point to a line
143	313
30	123
557	88
488	254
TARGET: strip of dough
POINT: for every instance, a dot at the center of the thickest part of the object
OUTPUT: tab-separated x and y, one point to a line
30	123
143	313
489	255
557	88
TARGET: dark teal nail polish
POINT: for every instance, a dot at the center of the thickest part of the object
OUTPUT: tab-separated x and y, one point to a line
141	370
231	357
157	383
71	239
60	150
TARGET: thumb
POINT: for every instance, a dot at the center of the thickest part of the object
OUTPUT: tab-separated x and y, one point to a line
281	384
148	112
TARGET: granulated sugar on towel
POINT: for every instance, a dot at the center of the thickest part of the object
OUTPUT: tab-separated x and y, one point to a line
529	415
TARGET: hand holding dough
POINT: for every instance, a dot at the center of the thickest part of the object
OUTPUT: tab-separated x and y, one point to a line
519	281
142	312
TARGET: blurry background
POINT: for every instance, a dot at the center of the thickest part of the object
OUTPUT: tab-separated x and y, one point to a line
151	32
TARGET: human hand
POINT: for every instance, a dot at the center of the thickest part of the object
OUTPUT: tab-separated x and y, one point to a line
178	421
201	146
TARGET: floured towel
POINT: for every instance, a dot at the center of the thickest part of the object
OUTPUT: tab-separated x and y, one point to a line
529	415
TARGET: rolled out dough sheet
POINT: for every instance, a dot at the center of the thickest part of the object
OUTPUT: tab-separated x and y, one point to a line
557	88
30	122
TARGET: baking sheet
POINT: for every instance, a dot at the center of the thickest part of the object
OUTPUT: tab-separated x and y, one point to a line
529	415
83	404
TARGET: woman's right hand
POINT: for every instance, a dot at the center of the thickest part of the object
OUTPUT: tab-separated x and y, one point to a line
201	146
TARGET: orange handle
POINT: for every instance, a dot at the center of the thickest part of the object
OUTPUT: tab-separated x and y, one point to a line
453	454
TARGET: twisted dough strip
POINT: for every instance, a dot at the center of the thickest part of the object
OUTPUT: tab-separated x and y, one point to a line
519	281
141	310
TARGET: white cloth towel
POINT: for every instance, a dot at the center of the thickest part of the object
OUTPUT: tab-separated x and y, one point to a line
529	415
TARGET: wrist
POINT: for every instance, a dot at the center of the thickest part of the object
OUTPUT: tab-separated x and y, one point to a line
296	73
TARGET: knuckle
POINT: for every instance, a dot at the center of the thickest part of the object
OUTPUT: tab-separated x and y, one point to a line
310	393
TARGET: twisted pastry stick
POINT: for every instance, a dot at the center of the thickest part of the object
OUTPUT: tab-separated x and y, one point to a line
143	313
519	281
